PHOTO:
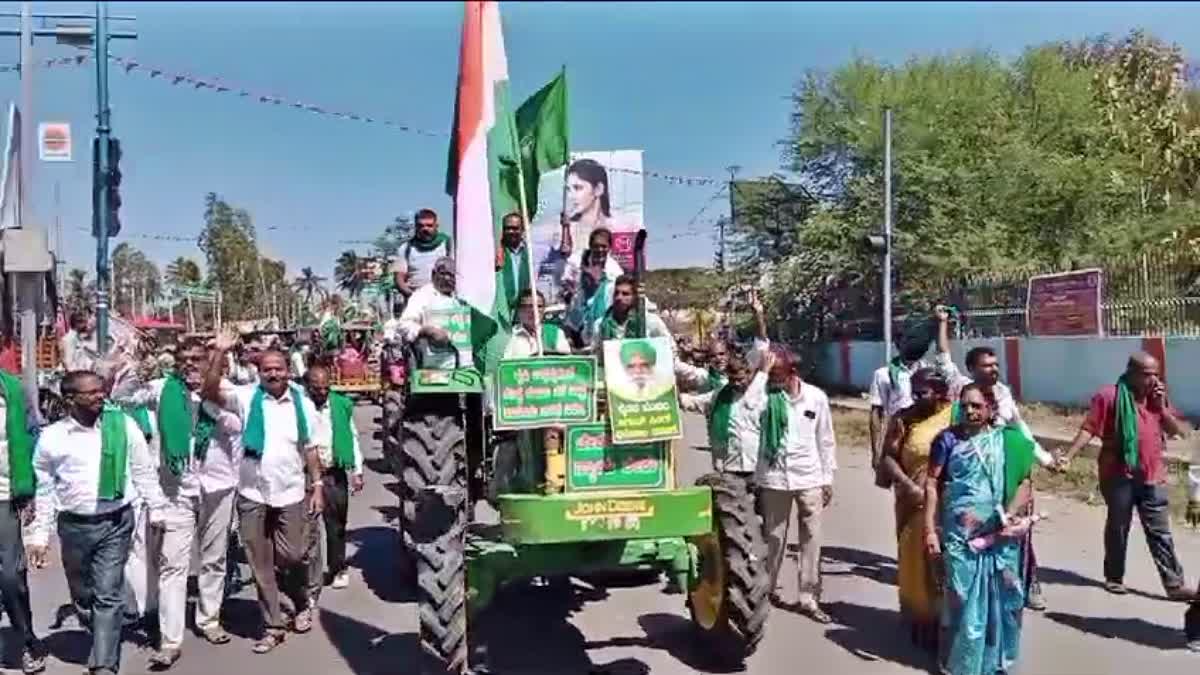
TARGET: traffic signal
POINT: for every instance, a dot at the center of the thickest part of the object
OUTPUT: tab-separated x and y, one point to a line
109	181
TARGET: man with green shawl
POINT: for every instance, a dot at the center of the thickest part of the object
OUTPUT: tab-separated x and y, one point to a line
89	467
513	259
796	462
1133	419
16	510
336	437
279	484
734	413
412	268
198	473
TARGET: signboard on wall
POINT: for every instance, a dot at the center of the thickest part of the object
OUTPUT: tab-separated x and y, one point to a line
1064	304
54	141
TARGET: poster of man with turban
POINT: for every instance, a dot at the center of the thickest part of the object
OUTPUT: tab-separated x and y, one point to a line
642	402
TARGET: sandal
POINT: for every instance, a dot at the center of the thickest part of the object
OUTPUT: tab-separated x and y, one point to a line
816	614
1115	587
268	642
215	635
303	621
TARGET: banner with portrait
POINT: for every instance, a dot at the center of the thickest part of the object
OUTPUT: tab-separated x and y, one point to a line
597	189
639	377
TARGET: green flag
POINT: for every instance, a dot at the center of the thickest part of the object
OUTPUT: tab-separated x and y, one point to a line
542	135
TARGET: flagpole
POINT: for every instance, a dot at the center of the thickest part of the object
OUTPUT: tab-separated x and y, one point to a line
537	319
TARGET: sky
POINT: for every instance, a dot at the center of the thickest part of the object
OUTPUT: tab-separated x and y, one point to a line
697	86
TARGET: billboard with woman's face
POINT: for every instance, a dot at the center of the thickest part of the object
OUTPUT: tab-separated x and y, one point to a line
597	189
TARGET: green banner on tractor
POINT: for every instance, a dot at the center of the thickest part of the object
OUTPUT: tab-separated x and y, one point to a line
640	383
594	463
545	391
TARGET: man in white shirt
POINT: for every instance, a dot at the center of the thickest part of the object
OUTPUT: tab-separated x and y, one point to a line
412	268
436	315
279	468
796	464
524	341
734	448
891	387
92	486
78	346
199	487
333	424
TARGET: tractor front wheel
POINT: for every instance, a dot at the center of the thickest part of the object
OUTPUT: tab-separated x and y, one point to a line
438	537
730	600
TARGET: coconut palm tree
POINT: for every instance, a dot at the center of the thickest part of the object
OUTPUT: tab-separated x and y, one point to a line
309	283
80	293
347	273
183	271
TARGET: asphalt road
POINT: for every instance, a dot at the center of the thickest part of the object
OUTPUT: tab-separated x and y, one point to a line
370	628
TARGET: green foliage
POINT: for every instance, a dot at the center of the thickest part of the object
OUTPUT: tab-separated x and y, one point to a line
347	273
1068	155
684	288
136	283
394	236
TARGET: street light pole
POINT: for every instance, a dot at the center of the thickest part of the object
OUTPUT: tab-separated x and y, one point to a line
887	234
102	134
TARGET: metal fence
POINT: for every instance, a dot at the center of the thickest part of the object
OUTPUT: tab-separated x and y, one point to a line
1144	294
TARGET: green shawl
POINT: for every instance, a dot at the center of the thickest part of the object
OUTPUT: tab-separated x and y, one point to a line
254	438
774	422
178	438
550	333
423	246
515	274
341	409
716	379
21	481
1018	460
140	415
634	328
895	368
720	418
114	453
1126	423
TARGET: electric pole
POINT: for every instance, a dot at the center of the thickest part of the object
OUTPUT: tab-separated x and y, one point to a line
887	234
721	223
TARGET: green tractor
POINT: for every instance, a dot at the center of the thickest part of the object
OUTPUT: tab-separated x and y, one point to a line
570	502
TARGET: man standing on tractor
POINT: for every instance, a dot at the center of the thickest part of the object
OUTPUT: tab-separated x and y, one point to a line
513	259
590	280
435	315
280	484
524	341
412	269
336	437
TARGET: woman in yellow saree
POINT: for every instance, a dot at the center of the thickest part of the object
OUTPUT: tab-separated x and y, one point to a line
910	435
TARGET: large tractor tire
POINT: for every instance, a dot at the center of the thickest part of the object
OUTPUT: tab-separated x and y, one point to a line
435	454
730	600
391	422
439	540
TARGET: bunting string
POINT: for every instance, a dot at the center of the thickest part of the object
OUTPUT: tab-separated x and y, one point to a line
221	86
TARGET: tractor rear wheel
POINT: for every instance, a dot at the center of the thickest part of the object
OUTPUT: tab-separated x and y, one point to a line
391	422
730	600
439	541
434	454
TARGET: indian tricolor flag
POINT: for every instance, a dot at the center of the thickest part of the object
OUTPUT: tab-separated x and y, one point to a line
483	150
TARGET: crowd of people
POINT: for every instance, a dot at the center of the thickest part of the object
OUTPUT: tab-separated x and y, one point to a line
216	447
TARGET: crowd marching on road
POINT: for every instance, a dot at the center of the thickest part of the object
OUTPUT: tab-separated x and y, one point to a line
224	447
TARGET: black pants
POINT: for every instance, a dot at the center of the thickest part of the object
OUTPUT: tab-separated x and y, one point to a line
14	588
1122	495
94	550
337	511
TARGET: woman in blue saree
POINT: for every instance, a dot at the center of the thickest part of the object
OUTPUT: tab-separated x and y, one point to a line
979	478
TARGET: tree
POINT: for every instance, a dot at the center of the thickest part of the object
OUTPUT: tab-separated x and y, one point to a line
347	273
387	245
81	294
136	281
229	243
310	284
184	271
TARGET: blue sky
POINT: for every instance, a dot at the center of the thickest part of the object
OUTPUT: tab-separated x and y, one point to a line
697	86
